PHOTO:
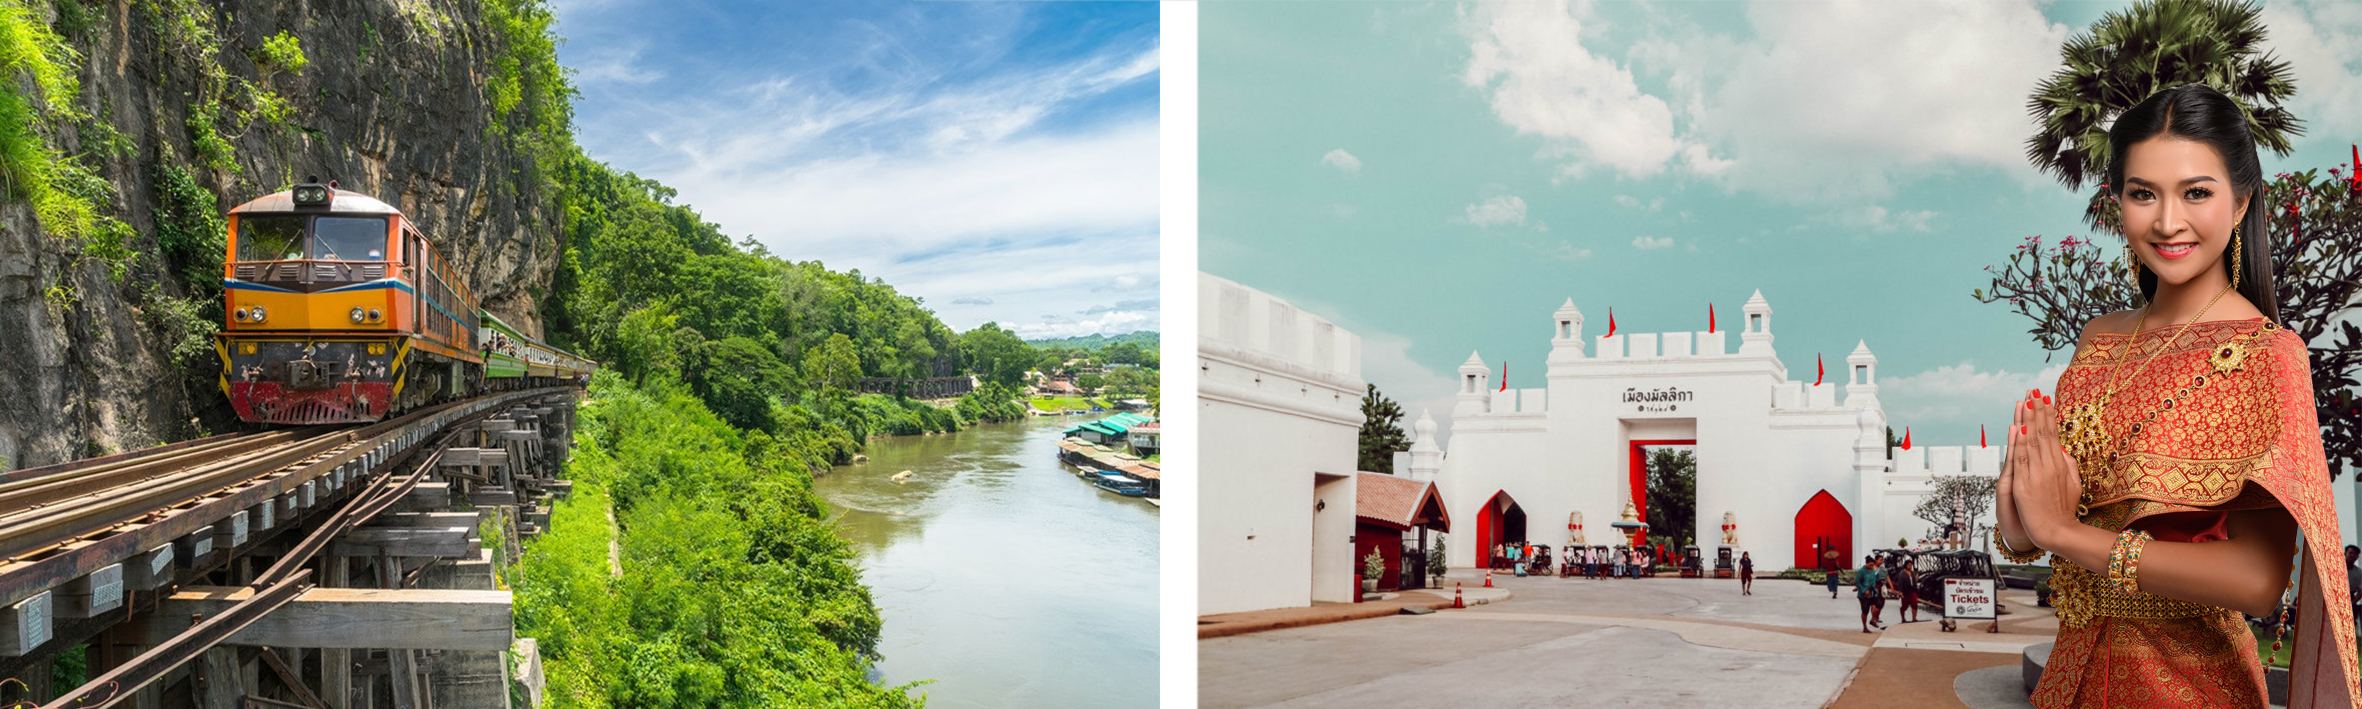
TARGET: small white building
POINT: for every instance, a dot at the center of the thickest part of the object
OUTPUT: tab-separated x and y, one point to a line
1801	468
1279	408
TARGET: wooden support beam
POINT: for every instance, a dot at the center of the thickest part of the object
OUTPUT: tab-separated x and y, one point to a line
25	625
216	680
350	618
149	569
231	532
293	679
427	496
405	542
493	497
95	593
192	548
426	519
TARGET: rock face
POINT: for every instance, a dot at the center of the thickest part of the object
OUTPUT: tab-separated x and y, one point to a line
393	102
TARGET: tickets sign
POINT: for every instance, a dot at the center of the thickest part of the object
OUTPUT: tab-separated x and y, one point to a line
1969	599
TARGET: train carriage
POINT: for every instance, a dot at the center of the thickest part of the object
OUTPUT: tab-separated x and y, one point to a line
512	357
339	310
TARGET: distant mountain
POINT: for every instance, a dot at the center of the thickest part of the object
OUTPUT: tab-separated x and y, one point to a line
1146	339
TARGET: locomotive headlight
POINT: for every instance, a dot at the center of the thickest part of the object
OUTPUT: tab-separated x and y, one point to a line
256	312
239	313
374	315
359	315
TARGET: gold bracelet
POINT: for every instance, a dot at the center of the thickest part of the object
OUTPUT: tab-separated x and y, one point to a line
2015	556
2124	561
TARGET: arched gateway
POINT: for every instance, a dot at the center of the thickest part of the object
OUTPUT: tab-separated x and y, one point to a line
1823	524
1502	522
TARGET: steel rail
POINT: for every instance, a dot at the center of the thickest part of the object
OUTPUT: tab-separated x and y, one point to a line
175	510
73	465
120	684
35	492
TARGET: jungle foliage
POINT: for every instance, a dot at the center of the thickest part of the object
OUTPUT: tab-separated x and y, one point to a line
729	589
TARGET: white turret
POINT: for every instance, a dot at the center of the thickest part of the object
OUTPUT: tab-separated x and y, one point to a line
1757	339
1861	381
1426	457
1566	339
1869	472
1474	397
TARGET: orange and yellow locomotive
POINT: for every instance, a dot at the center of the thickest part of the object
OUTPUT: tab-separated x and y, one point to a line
340	310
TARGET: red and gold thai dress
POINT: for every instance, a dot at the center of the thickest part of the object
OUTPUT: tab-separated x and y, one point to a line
2239	434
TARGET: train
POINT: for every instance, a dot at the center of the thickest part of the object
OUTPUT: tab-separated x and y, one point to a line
338	309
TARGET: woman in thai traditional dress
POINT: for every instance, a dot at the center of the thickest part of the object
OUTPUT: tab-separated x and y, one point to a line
2171	478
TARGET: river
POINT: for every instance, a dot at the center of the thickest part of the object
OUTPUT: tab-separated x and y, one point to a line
1000	575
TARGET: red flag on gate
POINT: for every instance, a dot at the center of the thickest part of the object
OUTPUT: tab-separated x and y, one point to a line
1906	438
1981	436
1504	375
2357	176
1611	322
1819	371
1709	318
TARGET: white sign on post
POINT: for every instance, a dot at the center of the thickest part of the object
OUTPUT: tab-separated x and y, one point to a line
1969	599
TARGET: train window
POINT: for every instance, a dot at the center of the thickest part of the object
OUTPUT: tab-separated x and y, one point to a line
349	238
262	238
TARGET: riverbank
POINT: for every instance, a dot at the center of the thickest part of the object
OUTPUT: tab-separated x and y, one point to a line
990	543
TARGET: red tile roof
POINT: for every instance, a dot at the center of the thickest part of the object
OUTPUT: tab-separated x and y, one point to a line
1396	501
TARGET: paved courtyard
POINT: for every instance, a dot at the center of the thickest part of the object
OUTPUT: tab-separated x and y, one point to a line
1664	642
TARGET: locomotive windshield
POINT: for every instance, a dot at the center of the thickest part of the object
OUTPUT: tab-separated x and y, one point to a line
348	238
282	238
270	238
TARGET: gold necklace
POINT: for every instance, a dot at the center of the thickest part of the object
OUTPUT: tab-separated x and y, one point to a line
2080	429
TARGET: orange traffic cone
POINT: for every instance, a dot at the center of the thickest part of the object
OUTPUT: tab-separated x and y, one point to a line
1457	601
1488	578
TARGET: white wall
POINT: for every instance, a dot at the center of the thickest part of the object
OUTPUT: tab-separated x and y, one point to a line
1279	407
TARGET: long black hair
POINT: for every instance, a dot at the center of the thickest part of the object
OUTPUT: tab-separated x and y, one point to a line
2198	112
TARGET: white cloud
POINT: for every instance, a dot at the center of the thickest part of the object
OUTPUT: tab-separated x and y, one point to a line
1387	362
1502	209
1631	202
1651	242
1586	107
2321	43
1344	162
1560	250
1878	219
1809	107
1960	394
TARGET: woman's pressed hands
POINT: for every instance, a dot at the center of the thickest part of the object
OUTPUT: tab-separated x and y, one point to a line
2046	483
2005	506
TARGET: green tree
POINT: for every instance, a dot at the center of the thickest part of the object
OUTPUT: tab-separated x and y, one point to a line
738	378
833	366
1121	353
1673	493
644	349
997	355
1381	432
2132	53
1090	382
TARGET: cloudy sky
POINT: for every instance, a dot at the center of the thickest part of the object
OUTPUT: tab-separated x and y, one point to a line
1438	178
998	160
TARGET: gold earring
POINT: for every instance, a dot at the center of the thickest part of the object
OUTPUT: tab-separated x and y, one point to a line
2132	266
2234	257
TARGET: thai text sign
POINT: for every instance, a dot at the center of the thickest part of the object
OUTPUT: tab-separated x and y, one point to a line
1969	598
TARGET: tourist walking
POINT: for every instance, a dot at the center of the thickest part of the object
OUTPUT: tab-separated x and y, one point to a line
1746	574
1517	558
1830	577
1906	585
1870	590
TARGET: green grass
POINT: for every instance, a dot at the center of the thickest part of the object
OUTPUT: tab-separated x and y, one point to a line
1055	404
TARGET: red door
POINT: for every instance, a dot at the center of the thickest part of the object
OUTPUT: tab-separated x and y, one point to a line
1822	523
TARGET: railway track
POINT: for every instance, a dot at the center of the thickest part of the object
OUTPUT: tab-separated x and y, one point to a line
148	520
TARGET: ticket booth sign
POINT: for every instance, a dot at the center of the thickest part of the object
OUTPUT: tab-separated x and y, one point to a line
1969	599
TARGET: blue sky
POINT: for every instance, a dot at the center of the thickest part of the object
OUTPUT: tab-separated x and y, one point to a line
1438	178
998	160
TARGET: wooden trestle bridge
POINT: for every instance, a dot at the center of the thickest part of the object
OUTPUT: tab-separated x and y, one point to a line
325	567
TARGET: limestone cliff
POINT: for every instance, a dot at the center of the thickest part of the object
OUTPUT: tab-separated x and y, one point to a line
187	103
